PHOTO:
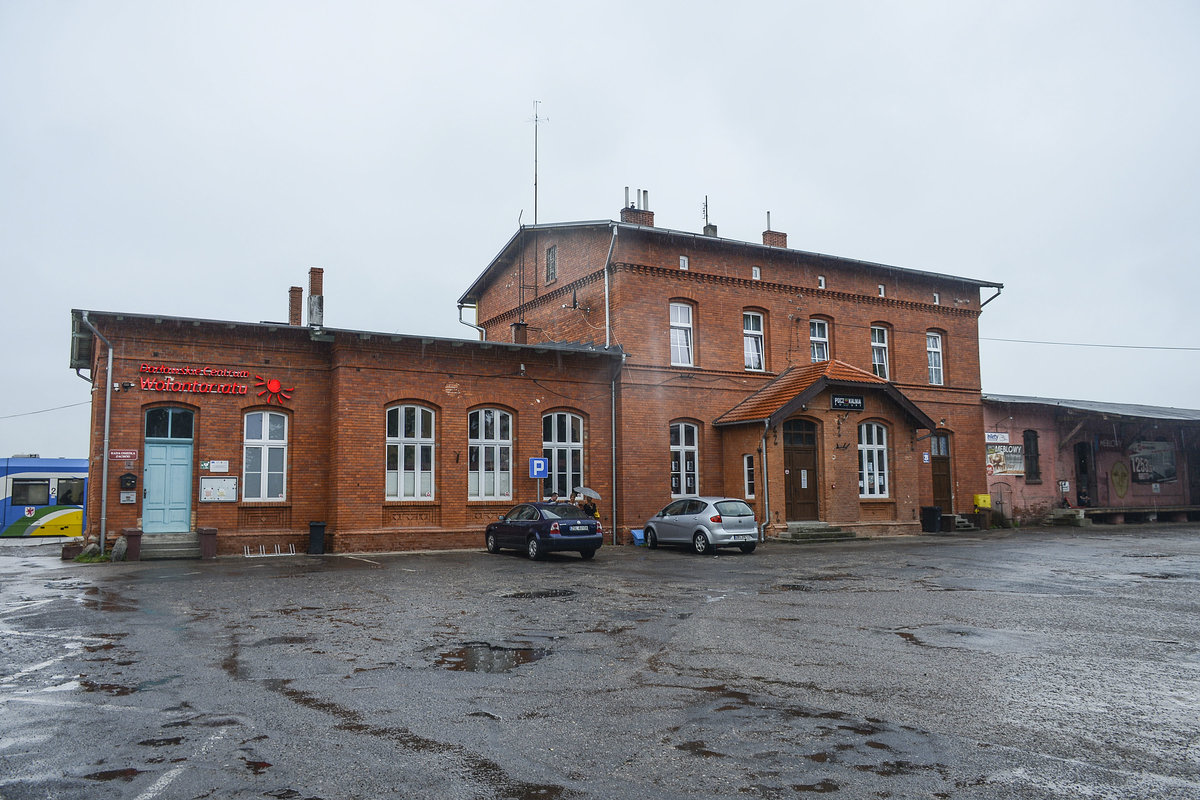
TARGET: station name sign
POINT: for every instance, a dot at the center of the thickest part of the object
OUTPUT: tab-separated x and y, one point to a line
154	383
846	402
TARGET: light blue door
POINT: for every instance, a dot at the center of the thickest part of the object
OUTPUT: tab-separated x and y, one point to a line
167	479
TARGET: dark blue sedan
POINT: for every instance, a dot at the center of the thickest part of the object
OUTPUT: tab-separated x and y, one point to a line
540	528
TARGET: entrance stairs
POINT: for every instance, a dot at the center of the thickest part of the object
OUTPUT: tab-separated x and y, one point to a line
159	546
809	532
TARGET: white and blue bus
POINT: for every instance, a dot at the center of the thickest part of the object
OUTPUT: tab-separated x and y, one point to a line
42	496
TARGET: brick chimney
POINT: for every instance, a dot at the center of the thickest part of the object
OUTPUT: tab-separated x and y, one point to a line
774	239
316	296
638	213
295	304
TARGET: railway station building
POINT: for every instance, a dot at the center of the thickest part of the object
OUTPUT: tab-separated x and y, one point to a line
643	362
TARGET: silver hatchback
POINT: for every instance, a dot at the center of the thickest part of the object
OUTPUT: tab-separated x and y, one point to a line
705	523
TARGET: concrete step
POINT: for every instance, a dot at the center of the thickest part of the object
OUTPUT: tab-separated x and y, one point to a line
161	546
807	532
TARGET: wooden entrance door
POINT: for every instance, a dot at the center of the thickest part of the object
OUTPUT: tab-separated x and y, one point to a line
943	494
800	470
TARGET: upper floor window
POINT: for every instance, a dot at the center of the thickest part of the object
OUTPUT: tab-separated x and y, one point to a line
562	446
752	339
933	349
408	453
818	337
872	460
552	263
681	335
820	281
685	457
937	298
756	273
683	262
1033	469
882	290
489	455
264	465
879	351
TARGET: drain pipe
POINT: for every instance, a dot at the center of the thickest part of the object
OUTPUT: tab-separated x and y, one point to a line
762	448
108	383
482	332
607	265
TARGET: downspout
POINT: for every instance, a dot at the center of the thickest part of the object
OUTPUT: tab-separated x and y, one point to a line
482	332
107	420
608	263
762	537
993	297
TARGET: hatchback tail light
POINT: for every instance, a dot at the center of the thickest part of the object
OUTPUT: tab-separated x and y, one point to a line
715	518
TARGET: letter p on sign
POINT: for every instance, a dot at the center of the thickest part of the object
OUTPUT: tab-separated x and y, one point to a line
539	467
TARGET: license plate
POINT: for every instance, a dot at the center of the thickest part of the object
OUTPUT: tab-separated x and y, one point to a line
579	528
743	538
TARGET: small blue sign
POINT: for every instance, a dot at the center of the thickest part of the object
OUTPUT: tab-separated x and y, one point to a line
539	468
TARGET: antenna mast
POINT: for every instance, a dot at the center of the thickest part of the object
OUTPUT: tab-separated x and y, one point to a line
536	120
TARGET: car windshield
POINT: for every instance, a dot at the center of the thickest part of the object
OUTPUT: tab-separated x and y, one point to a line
734	508
563	511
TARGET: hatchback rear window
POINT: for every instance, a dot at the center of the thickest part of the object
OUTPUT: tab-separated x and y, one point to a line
734	508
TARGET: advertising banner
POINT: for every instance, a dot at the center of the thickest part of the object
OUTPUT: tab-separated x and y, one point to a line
1152	462
1005	459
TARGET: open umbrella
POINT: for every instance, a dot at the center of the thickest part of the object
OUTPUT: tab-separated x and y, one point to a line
586	492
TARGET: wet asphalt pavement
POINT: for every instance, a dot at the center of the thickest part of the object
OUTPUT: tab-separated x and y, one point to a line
1008	665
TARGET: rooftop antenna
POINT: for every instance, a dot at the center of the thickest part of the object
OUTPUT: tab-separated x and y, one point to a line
705	208
536	120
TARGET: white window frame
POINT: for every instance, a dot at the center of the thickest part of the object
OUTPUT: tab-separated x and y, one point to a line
879	351
683	263
818	339
748	482
408	472
882	290
872	461
937	298
681	335
756	273
685	459
489	454
552	263
269	450
820	281
933	351
753	341
562	447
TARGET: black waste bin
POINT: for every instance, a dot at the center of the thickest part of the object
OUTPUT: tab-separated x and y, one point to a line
316	538
931	519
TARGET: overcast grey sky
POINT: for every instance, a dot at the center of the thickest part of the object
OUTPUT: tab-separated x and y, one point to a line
196	158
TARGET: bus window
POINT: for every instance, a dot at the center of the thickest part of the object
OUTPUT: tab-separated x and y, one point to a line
70	491
26	492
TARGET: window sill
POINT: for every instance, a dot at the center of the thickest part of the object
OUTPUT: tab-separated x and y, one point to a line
1033	481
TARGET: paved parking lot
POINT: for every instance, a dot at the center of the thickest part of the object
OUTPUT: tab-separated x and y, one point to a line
1007	665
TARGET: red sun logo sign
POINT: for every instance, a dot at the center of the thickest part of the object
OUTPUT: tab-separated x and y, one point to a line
273	390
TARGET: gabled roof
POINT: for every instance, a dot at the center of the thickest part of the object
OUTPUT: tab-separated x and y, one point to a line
1094	407
797	386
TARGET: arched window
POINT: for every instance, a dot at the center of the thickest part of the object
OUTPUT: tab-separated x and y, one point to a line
489	454
264	466
685	459
409	458
872	460
562	447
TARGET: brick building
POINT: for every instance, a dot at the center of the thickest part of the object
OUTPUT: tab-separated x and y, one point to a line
395	442
822	389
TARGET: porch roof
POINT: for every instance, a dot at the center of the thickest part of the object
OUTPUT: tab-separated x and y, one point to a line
797	386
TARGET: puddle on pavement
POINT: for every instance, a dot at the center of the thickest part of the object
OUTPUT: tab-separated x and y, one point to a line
484	657
257	767
699	749
1160	576
824	787
540	594
174	740
281	640
98	599
793	587
114	689
127	774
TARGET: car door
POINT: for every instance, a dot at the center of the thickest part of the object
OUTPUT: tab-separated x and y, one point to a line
667	525
693	517
512	528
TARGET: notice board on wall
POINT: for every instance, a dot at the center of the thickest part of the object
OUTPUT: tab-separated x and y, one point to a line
218	490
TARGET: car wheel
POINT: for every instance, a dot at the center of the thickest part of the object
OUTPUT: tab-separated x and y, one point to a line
749	548
492	545
534	548
700	543
651	538
587	555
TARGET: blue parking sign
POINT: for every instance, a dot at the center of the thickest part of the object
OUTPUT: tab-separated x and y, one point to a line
539	467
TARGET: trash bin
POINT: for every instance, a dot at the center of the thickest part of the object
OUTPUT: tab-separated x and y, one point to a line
316	538
208	542
133	543
931	519
639	537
